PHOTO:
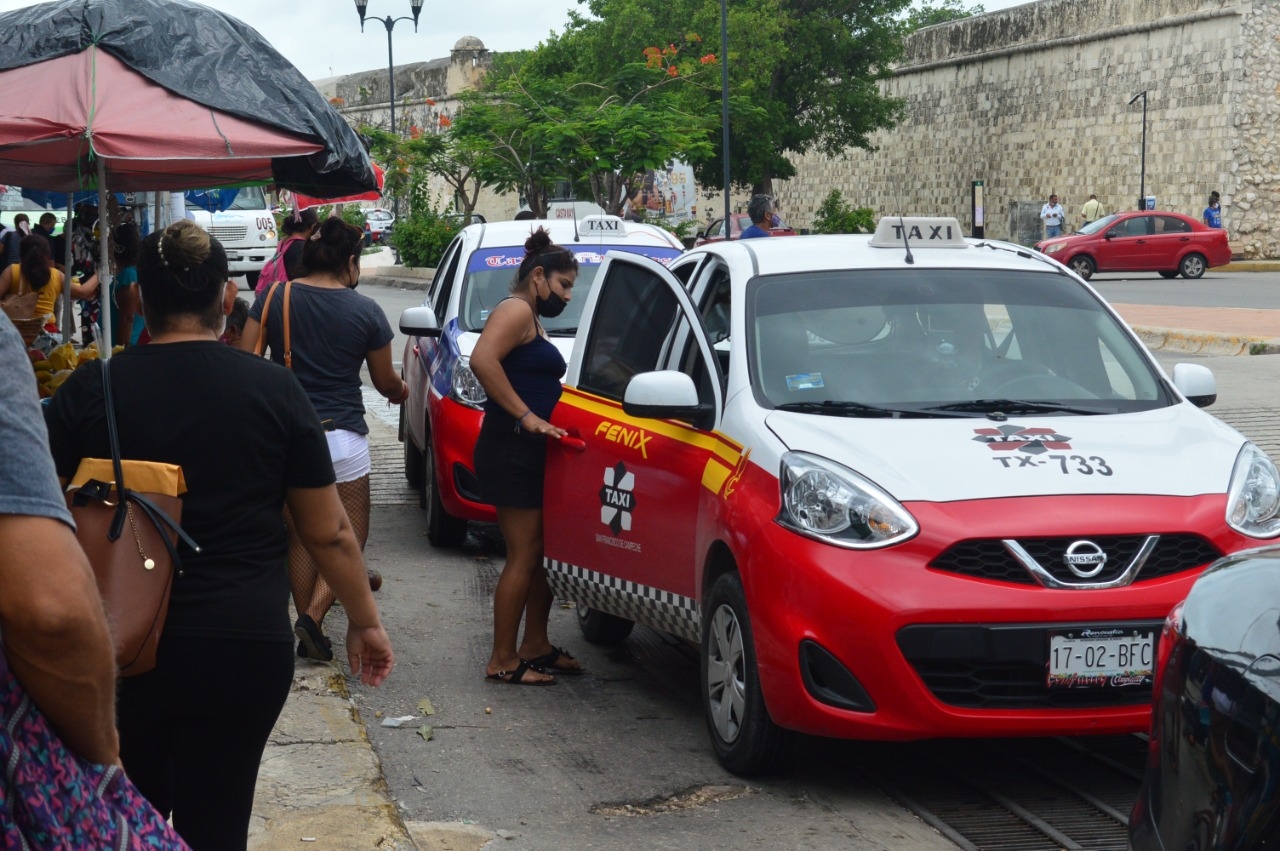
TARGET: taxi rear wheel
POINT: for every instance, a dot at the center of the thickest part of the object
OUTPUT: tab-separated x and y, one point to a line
744	737
601	627
1083	266
443	529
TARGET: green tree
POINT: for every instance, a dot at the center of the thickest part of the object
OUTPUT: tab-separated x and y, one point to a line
836	216
927	14
804	73
413	160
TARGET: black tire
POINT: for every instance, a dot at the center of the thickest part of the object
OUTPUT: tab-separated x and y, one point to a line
251	278
601	627
443	529
743	736
1083	265
1166	274
1193	266
413	471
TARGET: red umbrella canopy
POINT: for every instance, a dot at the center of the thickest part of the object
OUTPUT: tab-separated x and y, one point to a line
150	138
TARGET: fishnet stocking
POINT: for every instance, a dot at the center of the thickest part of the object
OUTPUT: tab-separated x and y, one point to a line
311	594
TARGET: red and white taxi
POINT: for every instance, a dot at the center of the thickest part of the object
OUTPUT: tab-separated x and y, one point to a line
440	421
895	486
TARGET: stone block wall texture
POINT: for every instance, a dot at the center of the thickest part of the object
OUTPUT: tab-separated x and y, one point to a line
1034	99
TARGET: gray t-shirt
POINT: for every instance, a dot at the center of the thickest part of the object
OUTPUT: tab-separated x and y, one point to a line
331	331
28	483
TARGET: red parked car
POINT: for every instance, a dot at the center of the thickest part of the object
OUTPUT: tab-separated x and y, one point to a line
1141	241
739	222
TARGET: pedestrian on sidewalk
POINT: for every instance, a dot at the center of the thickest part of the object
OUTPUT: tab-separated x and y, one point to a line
62	786
193	729
1091	211
1213	212
333	331
1053	216
520	370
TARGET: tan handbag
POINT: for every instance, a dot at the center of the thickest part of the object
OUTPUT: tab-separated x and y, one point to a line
130	535
260	346
19	305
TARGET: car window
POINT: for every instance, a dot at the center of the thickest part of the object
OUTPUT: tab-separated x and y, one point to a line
442	285
1172	224
633	321
492	271
902	338
1136	226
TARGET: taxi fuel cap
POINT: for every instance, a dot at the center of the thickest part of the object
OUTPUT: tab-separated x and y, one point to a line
919	231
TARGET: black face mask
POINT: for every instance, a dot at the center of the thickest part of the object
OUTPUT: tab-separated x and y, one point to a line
551	306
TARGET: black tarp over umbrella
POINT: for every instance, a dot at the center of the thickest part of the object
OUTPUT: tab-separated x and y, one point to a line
137	95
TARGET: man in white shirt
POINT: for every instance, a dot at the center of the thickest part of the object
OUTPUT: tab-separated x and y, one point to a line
1053	216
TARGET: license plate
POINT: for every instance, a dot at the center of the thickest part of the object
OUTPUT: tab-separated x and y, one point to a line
1103	657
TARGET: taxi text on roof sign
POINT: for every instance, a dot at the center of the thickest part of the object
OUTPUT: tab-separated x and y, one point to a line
919	232
602	224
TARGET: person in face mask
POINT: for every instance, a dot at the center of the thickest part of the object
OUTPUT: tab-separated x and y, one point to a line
520	370
332	332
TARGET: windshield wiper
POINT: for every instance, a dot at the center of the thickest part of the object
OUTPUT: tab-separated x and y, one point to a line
840	408
1015	406
562	332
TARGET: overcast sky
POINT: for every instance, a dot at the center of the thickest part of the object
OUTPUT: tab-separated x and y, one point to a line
323	38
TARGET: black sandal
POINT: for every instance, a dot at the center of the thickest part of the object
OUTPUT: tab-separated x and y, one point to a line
312	640
516	677
547	662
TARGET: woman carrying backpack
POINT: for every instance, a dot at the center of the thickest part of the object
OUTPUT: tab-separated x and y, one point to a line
287	262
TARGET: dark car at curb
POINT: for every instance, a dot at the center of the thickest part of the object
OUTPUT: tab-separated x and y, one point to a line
1213	771
1141	241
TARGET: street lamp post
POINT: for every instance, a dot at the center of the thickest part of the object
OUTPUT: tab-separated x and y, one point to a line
1142	174
724	107
390	23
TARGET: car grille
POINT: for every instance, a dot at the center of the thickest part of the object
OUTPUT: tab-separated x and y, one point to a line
1001	667
228	233
993	558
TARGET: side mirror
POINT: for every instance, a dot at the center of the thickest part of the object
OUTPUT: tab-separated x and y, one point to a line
419	322
1197	383
666	395
1111	234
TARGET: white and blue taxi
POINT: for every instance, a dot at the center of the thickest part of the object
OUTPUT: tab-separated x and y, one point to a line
895	486
440	421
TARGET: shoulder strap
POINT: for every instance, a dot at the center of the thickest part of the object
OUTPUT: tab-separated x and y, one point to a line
113	438
15	271
260	346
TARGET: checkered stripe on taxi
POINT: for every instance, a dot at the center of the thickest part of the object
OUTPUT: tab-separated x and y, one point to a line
663	610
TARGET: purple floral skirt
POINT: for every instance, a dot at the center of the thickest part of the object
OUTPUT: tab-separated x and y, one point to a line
51	798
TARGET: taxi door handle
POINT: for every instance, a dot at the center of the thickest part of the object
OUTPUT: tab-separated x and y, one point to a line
573	444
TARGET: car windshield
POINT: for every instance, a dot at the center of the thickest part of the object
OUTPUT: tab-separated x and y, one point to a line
942	342
491	271
1100	225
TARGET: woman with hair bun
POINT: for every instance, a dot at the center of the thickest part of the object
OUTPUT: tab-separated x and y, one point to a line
520	370
193	729
333	332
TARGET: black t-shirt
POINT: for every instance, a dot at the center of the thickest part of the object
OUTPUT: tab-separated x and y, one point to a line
331	332
243	431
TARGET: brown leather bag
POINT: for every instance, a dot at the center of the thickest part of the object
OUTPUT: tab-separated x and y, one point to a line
260	346
19	305
130	537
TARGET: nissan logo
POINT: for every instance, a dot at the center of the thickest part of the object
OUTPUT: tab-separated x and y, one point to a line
1085	559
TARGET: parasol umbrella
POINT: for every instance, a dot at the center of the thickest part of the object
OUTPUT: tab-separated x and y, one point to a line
134	95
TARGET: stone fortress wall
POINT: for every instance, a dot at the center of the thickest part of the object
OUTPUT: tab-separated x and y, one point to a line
1030	100
1034	99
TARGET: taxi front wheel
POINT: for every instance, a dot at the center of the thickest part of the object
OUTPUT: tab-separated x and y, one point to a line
744	737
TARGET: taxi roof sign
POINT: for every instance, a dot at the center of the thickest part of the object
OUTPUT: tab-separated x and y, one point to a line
918	232
602	225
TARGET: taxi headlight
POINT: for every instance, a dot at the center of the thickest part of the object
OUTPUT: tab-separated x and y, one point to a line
1253	498
1054	249
465	387
823	500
